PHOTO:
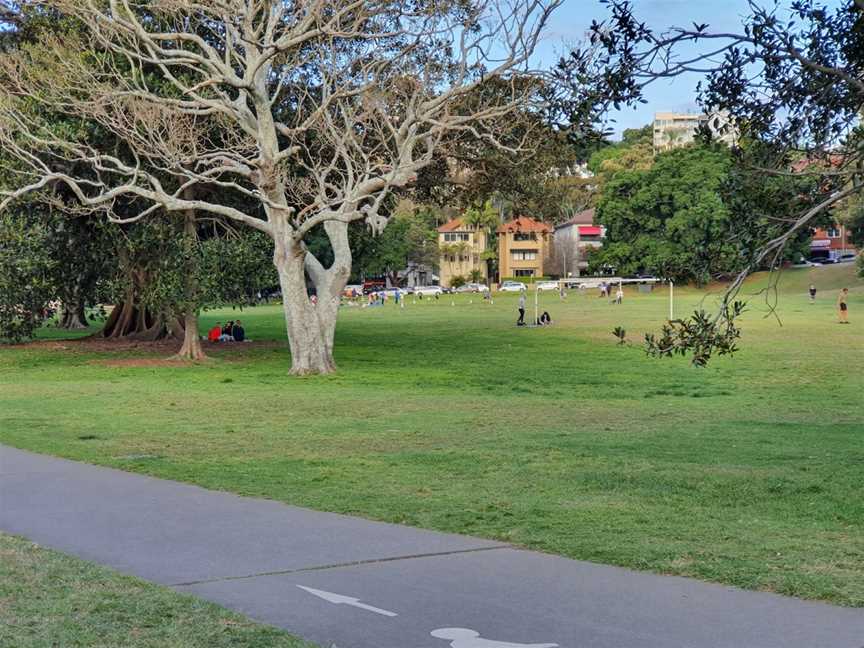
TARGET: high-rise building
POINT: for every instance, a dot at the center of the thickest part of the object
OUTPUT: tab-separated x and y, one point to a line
673	130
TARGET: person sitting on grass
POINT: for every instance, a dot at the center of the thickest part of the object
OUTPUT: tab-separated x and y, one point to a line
545	319
238	332
226	333
214	333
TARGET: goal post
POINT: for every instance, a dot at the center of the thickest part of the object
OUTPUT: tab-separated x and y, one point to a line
594	282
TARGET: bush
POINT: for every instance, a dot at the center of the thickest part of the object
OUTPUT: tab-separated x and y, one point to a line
457	281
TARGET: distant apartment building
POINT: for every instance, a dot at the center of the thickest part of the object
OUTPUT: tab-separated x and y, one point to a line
460	248
523	248
574	240
674	130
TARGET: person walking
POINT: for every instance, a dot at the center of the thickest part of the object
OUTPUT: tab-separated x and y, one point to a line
842	306
521	320
812	291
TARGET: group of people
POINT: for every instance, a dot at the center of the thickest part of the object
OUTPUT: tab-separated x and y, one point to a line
842	303
605	289
233	331
544	320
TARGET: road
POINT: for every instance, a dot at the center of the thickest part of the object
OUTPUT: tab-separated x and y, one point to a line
346	582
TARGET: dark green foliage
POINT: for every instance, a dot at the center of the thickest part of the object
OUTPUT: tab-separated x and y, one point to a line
214	267
700	213
671	219
701	336
27	274
409	238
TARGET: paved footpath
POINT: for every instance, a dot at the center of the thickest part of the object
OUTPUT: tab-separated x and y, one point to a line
350	583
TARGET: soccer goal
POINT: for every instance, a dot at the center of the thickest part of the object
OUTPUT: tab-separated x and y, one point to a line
587	283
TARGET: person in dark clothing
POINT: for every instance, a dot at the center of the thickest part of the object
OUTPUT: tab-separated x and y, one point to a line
226	332
521	320
545	319
238	332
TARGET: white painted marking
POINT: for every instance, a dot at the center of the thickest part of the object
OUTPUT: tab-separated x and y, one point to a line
465	638
338	599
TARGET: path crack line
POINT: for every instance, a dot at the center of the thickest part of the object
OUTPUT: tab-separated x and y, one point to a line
353	563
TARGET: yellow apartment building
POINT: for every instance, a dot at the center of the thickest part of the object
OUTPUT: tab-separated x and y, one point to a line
523	248
460	248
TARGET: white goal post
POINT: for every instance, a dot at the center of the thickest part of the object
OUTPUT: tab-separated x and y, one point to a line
594	282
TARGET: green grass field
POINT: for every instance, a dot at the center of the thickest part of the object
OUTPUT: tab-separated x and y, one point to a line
48	600
748	472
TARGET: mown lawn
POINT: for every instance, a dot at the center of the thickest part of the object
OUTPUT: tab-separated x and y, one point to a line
749	472
49	600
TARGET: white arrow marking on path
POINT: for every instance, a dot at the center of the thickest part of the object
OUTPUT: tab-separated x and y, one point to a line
338	599
467	638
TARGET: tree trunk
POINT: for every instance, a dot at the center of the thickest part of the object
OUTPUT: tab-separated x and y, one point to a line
73	317
191	349
132	321
308	339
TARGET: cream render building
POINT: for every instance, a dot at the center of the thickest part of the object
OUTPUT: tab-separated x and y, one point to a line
674	130
461	248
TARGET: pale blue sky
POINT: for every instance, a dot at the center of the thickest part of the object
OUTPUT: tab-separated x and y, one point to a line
572	20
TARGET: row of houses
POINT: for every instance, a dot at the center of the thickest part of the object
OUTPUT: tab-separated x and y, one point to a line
526	248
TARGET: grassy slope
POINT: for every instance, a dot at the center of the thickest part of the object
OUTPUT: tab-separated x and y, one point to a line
748	472
48	600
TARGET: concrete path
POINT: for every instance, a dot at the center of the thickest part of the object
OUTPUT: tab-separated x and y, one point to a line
351	583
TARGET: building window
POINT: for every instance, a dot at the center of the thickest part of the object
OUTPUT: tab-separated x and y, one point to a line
524	236
833	232
456	236
524	255
522	272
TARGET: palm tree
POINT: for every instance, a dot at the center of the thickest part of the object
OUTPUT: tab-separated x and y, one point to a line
484	219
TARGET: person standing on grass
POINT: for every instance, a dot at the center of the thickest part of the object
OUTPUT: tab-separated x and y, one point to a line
619	295
812	291
521	320
842	306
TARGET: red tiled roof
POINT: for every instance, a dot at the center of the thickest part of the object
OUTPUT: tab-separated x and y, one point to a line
524	224
582	218
451	226
832	159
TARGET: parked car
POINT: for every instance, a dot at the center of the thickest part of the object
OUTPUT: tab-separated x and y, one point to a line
428	290
849	257
547	285
472	287
815	261
828	261
512	286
